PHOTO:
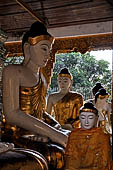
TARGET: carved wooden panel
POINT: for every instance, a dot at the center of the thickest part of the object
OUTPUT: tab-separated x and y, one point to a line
78	44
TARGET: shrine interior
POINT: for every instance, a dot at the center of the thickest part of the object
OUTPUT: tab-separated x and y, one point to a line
77	26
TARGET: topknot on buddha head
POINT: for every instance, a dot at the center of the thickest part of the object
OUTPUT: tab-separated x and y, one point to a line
65	73
89	107
96	88
101	94
36	33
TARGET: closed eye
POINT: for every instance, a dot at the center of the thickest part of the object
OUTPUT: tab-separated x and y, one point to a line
91	117
82	117
44	49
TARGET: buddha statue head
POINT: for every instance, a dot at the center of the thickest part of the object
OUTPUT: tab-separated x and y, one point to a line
96	88
101	98
37	43
88	116
65	79
102	94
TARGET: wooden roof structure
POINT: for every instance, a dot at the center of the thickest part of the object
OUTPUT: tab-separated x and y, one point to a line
15	20
64	19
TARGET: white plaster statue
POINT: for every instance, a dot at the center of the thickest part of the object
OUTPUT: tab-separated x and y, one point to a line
37	43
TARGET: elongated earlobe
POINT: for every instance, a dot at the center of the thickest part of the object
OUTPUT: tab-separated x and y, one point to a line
27	55
71	85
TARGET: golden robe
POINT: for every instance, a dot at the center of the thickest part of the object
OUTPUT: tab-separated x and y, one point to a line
67	109
32	101
88	150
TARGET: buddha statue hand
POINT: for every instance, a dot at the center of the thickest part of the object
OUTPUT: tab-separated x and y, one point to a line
71	120
6	147
37	138
47	118
67	127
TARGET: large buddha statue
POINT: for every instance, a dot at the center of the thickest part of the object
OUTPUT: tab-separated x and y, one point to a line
24	91
64	105
88	146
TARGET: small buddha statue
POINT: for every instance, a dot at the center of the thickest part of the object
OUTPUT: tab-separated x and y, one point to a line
100	100
104	108
65	103
88	146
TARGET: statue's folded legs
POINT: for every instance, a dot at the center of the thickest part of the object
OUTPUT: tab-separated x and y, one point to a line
12	158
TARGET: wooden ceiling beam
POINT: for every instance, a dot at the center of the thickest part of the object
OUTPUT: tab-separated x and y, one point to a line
30	11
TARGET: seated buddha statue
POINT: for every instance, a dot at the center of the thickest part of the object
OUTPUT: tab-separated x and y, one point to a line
64	105
88	147
24	91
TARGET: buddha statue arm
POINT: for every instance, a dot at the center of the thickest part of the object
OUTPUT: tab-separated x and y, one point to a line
50	120
74	119
17	117
78	105
49	105
48	117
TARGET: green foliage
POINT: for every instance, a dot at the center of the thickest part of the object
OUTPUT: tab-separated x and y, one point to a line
14	60
2	52
86	71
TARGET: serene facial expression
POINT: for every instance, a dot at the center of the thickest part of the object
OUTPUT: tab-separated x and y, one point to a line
40	52
64	83
88	120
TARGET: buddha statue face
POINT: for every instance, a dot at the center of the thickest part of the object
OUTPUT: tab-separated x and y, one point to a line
40	52
64	83
88	120
36	44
